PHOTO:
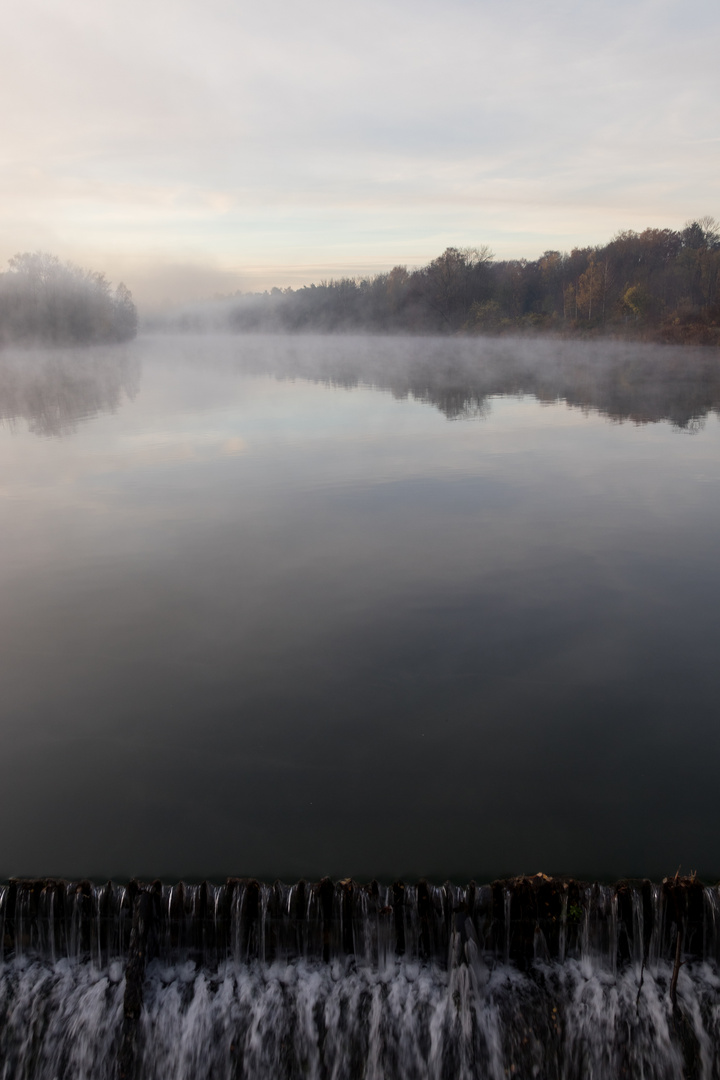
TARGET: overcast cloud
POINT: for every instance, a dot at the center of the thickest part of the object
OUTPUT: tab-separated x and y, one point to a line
197	147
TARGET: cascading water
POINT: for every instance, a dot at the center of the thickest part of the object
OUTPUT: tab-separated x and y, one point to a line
527	978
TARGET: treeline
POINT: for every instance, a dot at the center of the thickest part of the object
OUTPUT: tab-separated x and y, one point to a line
45	301
660	284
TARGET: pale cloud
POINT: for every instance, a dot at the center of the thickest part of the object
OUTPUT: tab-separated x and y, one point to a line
262	143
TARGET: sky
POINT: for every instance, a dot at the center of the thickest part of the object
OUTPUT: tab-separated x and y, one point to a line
192	148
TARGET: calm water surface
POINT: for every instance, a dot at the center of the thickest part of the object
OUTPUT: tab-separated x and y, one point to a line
375	608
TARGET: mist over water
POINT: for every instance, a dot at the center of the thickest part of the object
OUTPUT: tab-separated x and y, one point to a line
381	607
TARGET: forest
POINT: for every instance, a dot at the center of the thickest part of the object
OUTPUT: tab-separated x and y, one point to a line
44	301
657	285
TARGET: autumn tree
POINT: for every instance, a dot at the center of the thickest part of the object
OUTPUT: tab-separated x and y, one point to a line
592	288
453	281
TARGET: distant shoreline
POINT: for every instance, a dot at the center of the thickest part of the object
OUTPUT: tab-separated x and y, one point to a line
660	285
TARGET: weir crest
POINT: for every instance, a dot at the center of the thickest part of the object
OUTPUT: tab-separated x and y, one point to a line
529	977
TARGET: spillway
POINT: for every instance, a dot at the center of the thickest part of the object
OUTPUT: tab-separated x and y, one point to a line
530	977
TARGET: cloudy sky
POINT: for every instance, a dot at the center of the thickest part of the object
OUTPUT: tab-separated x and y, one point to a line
197	146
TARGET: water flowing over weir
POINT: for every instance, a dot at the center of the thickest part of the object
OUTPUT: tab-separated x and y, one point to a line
532	977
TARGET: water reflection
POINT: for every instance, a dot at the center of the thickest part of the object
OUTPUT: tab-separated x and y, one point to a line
266	620
55	390
637	382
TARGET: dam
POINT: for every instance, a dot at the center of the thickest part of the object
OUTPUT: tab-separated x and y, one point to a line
529	977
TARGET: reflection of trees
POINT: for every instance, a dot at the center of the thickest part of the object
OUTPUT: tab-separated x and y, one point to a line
55	391
641	383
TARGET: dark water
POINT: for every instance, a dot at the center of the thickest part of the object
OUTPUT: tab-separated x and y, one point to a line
370	608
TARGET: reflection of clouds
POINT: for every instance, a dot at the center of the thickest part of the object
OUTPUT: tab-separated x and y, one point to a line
158	452
55	391
231	447
177	448
166	453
